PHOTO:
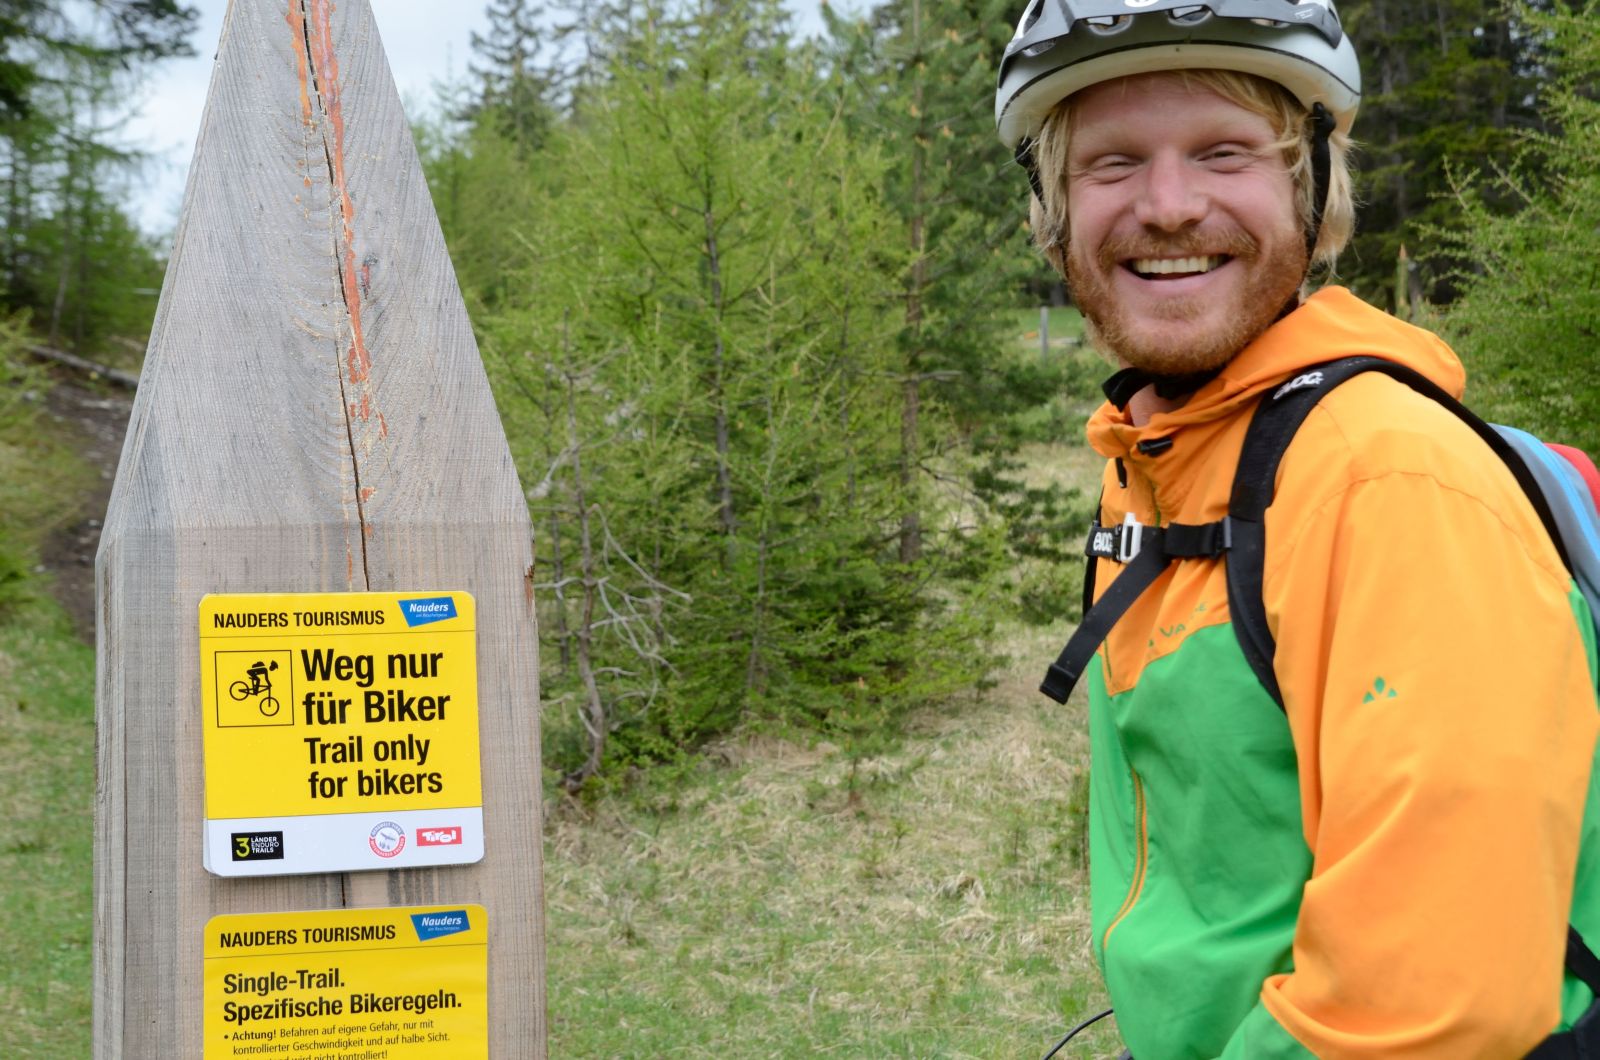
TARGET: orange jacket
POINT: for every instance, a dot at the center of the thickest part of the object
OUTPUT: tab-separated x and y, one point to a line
1437	673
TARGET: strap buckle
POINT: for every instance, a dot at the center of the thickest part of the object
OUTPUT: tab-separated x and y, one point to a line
1130	539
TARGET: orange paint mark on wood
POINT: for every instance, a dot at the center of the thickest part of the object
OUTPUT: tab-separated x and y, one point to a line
367	492
358	360
297	24
383	426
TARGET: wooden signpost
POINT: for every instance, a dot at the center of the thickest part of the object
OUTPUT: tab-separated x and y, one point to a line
313	418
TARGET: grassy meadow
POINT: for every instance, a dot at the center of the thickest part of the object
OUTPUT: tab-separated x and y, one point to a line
789	899
46	834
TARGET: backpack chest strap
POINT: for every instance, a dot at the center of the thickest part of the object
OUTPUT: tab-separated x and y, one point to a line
1145	552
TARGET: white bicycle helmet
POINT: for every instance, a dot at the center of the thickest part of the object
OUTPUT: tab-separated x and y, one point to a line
1062	46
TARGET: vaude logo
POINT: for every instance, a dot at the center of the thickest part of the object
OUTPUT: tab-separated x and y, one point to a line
1299	382
432	609
438	837
437	925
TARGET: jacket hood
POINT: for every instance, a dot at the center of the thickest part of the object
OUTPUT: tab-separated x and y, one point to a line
1331	324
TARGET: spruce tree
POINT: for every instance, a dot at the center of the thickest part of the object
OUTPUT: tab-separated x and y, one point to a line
699	368
1528	317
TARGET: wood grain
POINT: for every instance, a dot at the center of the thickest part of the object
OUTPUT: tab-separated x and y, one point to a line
313	416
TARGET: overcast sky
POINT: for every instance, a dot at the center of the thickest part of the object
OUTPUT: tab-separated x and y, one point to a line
427	42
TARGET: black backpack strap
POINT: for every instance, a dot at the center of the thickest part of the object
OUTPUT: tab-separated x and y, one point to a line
1582	1042
1146	551
1135	578
1271	430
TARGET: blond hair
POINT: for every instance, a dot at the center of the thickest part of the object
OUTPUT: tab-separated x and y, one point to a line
1258	95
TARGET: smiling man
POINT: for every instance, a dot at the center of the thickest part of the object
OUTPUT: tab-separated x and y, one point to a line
1368	823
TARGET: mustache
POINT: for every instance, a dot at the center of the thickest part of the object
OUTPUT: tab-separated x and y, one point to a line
1229	242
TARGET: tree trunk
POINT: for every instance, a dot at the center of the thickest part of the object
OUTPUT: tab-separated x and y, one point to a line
595	721
911	389
725	513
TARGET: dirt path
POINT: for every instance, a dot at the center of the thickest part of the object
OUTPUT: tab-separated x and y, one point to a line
93	419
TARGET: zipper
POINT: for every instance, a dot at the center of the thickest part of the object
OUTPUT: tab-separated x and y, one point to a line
1141	859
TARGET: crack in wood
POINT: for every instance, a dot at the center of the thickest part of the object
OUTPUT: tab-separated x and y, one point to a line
316	43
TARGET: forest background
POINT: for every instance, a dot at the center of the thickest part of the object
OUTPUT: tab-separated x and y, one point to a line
750	305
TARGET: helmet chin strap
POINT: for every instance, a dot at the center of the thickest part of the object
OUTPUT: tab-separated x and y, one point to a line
1322	126
1024	158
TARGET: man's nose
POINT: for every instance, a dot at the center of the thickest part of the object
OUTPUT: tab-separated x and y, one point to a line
1170	199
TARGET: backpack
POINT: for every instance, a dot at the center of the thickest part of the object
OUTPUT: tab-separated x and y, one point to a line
1561	483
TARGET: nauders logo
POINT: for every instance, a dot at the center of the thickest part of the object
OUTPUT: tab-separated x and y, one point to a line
437	925
421	611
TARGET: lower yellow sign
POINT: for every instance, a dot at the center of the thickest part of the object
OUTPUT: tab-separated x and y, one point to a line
406	983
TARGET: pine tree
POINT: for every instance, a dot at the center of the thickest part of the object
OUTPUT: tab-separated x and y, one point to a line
70	254
1447	85
1528	317
699	370
515	79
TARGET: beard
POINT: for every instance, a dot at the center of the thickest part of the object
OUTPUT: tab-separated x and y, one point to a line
1136	339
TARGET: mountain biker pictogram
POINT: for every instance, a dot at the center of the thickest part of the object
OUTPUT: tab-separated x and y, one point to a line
259	684
254	686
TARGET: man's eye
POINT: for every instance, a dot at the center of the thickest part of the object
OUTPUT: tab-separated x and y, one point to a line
1111	164
1227	154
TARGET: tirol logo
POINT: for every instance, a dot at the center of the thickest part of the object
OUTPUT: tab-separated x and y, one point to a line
437	925
256	846
433	609
386	839
438	837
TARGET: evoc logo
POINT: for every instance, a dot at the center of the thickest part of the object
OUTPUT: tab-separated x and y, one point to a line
1299	382
1105	543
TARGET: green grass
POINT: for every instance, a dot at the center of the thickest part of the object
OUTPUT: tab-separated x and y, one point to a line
1066	328
787	899
46	834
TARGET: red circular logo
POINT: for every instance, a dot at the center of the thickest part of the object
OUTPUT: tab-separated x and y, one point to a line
387	839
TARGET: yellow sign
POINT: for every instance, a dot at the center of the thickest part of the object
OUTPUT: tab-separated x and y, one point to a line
396	984
340	732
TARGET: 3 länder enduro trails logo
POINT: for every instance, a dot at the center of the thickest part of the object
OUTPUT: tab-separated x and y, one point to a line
340	732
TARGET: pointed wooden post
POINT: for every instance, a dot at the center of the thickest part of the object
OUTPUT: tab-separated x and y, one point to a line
313	416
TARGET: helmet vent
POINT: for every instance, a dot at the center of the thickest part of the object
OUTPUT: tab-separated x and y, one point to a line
1108	25
1034	11
1189	16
